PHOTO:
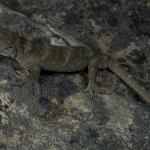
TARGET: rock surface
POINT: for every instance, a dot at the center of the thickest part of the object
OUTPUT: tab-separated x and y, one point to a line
56	114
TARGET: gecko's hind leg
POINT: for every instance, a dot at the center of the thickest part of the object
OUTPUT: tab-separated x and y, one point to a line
27	80
33	76
92	71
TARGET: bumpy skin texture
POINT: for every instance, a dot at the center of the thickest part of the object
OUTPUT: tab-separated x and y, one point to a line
61	59
35	57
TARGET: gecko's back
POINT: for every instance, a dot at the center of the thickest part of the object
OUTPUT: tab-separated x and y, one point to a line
60	58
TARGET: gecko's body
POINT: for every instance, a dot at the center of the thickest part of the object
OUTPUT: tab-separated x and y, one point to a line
65	59
59	58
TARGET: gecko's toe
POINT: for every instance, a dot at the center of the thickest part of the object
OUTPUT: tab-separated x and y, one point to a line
19	75
90	90
24	80
24	83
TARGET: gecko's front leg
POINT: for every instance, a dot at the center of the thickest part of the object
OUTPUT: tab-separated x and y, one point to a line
33	76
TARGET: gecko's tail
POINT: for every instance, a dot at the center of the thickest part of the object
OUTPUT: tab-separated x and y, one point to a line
130	80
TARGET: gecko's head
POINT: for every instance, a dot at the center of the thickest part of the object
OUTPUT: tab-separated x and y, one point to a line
6	44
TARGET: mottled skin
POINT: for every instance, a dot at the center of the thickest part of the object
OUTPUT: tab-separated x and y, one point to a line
61	59
36	56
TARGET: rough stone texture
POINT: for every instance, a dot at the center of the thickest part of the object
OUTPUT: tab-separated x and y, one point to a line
56	114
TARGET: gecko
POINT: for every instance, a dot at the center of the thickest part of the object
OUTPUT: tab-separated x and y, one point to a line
37	56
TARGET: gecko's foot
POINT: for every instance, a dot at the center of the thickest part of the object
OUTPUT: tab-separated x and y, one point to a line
91	89
26	81
20	78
